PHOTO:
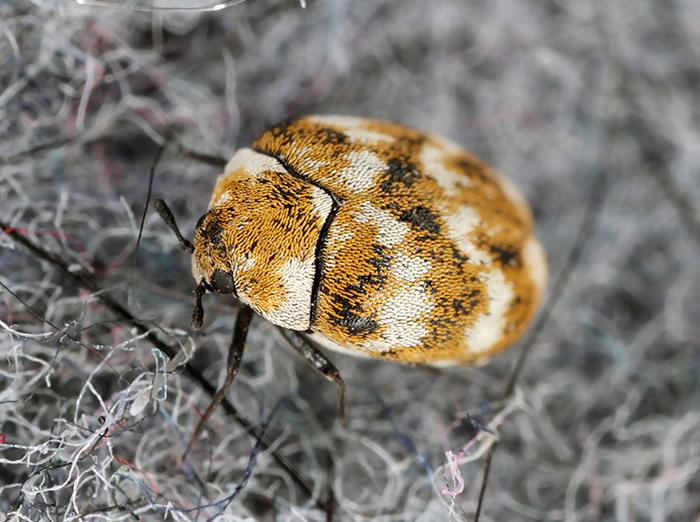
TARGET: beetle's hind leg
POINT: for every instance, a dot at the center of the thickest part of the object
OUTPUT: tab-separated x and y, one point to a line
233	362
320	363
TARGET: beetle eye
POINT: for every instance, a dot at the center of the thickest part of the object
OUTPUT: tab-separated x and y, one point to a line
222	282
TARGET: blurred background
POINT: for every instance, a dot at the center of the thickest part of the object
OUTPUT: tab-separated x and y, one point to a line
590	107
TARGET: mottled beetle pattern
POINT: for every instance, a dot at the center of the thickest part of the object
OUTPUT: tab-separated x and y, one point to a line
376	239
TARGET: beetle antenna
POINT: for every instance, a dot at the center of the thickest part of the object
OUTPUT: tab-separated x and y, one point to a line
165	213
198	310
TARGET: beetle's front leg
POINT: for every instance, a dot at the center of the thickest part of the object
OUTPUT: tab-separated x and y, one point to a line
319	362
233	362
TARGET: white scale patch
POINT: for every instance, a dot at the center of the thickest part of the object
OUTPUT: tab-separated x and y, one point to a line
459	227
197	271
433	160
400	316
244	263
361	173
535	260
222	199
488	328
448	146
325	342
322	202
345	122
336	236
390	231
309	166
367	137
295	310
253	162
409	268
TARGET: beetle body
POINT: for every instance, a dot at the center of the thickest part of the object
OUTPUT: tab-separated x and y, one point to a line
378	239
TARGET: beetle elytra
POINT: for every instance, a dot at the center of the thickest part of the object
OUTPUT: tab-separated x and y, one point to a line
375	239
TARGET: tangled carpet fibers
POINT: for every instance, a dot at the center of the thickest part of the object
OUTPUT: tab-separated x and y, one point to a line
591	107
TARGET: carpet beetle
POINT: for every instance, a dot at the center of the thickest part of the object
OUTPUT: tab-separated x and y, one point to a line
376	239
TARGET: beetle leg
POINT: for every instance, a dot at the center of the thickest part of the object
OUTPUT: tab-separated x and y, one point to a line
319	362
235	354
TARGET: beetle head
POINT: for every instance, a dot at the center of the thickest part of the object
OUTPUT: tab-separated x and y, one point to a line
211	267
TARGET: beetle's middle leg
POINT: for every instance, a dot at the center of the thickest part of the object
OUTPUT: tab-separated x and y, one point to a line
233	362
319	362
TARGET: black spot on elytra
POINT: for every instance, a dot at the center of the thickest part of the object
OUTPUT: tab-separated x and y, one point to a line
458	306
473	169
360	286
282	194
439	331
506	255
349	317
400	170
356	324
466	304
458	258
331	137
422	218
381	261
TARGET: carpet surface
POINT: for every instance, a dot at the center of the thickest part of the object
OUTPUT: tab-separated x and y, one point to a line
590	107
